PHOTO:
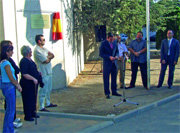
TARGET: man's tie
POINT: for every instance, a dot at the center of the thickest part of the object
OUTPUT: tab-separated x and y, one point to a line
169	47
111	45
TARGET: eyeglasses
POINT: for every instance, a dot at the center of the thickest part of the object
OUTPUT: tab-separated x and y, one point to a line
10	48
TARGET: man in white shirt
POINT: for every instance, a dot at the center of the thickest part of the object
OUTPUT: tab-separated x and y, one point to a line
43	59
121	60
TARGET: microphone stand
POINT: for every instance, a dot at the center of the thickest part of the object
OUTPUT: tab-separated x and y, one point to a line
124	99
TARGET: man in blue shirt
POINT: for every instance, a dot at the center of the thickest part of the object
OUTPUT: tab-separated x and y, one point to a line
138	51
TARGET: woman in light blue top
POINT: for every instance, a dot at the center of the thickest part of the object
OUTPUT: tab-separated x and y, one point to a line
9	84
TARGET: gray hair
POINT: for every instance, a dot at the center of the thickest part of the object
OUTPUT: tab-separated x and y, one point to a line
25	50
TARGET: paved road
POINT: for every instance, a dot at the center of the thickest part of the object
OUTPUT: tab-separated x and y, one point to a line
163	119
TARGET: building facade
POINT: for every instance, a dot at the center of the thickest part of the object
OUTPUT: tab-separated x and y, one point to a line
19	22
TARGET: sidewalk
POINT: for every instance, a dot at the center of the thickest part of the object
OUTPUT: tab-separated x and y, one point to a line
48	123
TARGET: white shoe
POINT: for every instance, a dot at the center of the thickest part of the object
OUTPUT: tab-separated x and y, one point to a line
15	131
17	120
17	124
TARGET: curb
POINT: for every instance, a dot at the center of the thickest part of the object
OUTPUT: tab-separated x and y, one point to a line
97	127
109	121
77	116
70	115
130	114
145	108
115	119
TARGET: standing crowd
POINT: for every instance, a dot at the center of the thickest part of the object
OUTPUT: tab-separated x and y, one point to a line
115	53
38	73
34	75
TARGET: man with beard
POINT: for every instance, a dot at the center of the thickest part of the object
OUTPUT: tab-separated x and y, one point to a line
138	49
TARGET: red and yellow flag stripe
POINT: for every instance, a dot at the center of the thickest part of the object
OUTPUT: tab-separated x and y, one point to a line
56	27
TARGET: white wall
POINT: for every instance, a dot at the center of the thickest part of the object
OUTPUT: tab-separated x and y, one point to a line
9	24
1	23
17	25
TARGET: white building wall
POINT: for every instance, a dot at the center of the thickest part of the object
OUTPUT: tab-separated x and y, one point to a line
9	24
1	23
17	28
70	62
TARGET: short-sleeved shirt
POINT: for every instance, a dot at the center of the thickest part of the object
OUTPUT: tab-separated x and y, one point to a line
5	78
138	46
40	55
122	48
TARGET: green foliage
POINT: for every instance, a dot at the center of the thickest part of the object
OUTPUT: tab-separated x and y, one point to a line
170	19
124	16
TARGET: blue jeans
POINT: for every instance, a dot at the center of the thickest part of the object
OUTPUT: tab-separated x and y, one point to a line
0	82
8	90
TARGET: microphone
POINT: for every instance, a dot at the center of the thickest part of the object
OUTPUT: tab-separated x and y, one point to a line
126	57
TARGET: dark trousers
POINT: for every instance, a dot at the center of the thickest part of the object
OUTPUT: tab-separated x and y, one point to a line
5	106
134	69
29	97
107	71
163	71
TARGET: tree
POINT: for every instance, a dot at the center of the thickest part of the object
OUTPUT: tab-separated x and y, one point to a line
123	16
128	16
168	18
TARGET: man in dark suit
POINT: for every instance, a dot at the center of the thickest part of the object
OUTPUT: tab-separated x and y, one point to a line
109	52
169	56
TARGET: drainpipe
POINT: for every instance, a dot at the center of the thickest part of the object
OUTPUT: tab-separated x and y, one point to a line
16	31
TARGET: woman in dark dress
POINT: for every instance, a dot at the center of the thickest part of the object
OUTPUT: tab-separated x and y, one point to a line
30	79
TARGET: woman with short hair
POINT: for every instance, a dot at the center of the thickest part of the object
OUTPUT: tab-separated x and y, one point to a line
30	78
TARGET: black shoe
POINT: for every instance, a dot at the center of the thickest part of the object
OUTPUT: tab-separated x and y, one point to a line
130	87
51	105
44	110
121	87
159	86
107	97
169	87
29	119
116	94
146	88
36	116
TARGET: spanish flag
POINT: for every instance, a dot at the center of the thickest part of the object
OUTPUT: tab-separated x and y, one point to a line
56	27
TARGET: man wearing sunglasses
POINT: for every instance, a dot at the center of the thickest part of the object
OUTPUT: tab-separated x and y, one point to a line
43	59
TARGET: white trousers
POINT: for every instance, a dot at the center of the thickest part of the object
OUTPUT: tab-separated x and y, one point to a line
45	92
